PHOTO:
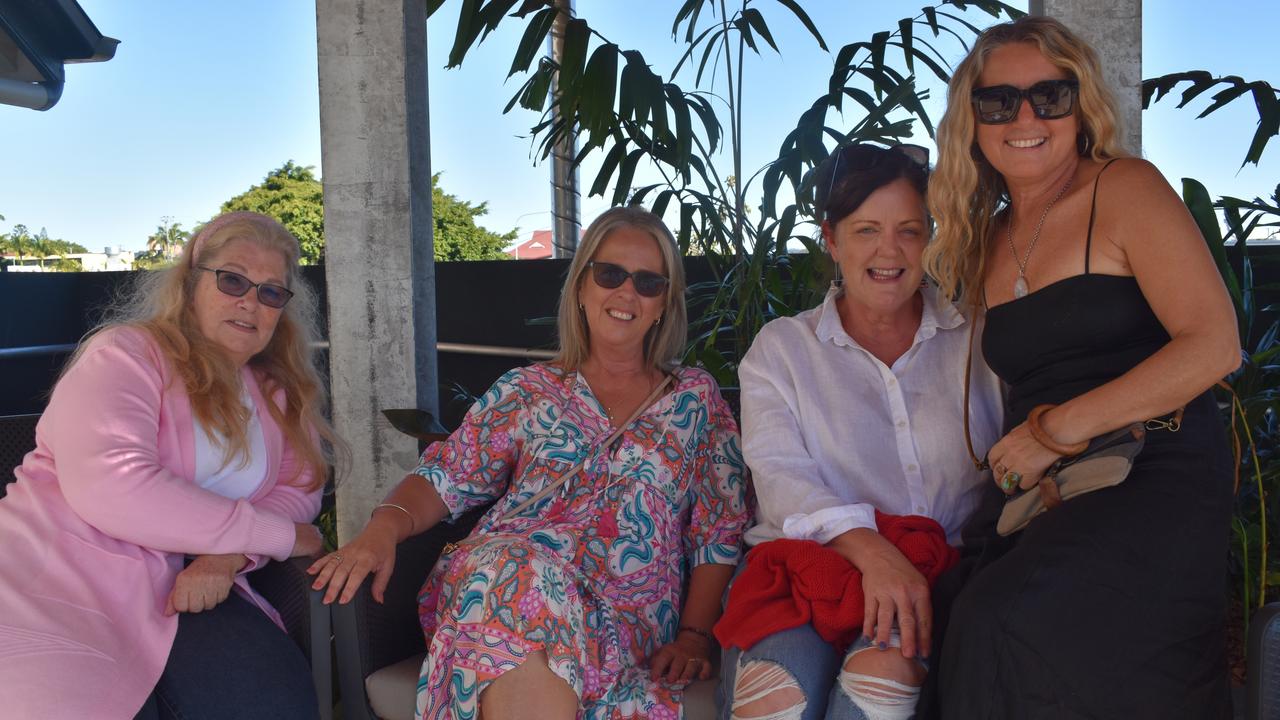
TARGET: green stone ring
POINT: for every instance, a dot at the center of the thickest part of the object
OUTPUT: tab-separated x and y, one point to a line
1010	480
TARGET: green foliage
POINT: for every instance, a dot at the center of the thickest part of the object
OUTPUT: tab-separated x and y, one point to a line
1252	407
1265	98
167	241
456	236
292	195
634	117
20	242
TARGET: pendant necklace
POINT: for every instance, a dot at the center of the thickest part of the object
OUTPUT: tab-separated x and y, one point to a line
1020	285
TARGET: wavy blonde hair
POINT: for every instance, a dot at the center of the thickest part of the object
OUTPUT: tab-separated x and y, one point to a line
160	303
664	342
966	192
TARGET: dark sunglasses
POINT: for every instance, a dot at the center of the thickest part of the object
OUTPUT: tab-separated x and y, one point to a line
236	285
1050	100
610	276
859	158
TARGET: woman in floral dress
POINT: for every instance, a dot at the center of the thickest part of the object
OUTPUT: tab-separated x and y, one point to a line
573	604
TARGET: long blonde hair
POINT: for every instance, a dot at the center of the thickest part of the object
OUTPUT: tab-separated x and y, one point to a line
160	303
966	192
664	343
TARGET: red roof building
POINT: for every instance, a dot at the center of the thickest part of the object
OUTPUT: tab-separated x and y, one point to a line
537	247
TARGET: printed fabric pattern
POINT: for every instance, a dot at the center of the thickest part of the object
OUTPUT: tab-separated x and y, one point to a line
593	574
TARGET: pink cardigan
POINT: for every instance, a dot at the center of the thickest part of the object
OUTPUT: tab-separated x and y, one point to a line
96	527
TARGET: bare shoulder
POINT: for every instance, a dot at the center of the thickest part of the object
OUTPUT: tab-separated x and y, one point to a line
1133	179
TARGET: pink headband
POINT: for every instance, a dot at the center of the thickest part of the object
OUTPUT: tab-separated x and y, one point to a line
217	224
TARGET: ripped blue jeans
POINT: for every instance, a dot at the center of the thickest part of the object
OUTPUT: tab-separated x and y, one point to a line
800	658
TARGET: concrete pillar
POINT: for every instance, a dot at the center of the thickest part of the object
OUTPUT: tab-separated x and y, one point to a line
1114	29
378	261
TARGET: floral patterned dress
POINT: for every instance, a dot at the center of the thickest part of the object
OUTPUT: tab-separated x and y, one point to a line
593	574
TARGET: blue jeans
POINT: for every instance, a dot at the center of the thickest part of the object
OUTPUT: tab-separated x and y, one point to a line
229	663
811	661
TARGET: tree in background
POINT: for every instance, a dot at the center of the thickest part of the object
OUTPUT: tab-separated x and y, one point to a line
293	195
168	239
456	235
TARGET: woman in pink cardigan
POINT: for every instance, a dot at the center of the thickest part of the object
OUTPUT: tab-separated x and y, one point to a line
180	449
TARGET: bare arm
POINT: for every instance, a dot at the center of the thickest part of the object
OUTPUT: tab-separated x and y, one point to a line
374	549
671	662
1149	232
892	589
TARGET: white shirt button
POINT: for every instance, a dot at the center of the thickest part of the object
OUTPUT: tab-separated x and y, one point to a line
911	468
919	508
902	423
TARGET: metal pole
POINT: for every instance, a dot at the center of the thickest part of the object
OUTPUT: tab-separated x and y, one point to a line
564	176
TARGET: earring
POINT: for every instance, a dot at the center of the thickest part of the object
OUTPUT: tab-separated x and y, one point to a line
658	321
581	308
1082	143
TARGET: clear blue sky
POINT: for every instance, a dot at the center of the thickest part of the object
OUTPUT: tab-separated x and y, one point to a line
203	99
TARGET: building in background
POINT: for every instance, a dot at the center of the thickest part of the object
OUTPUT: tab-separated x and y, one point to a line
537	247
111	259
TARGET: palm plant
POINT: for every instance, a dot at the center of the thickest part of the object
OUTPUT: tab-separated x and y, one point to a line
675	127
167	239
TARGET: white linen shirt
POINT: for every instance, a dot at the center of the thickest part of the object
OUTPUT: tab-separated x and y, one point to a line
832	434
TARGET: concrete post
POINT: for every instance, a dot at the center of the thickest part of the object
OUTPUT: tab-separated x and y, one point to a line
378	260
1114	29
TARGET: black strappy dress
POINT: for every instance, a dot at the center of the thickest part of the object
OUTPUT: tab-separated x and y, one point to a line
1114	604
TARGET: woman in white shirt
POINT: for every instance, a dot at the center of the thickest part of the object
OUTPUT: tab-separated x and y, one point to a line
853	407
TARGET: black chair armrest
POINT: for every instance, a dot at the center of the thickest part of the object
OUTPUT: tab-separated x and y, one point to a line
286	585
1263	690
371	635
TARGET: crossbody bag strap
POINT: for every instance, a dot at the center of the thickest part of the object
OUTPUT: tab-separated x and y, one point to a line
613	436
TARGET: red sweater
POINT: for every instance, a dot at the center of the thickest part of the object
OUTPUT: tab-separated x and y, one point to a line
788	583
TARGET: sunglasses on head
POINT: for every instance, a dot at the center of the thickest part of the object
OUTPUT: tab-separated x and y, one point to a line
610	276
236	285
858	158
1050	100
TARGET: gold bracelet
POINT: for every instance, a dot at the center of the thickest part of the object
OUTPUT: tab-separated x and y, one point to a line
413	524
1042	437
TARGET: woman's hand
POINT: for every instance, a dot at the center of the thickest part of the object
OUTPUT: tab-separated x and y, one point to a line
204	583
683	660
372	551
1019	452
307	540
893	591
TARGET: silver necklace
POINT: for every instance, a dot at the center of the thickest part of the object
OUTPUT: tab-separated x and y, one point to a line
1020	285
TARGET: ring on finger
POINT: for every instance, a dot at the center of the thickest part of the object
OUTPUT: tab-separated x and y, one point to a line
337	557
1009	480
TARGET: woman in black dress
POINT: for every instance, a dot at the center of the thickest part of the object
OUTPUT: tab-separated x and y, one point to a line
1103	302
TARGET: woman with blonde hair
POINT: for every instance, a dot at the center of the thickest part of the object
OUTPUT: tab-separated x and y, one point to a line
1104	311
180	449
616	476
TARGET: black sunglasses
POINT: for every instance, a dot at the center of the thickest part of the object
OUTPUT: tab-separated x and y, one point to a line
236	285
1050	100
858	158
610	276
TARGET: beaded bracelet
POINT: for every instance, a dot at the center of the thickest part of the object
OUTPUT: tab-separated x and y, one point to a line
413	524
1042	437
697	631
